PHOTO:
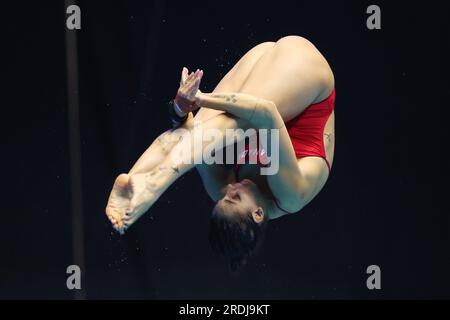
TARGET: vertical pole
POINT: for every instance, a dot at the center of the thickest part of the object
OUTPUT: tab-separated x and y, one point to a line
73	107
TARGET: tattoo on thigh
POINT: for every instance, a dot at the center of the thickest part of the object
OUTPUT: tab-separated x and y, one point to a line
162	141
167	142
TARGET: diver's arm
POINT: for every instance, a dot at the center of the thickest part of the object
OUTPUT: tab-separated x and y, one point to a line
245	106
292	185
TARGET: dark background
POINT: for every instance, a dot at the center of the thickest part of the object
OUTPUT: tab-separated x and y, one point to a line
386	202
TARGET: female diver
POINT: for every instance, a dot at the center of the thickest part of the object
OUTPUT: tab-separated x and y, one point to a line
285	85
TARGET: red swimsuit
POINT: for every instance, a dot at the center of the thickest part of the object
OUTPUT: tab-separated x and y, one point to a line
306	130
306	133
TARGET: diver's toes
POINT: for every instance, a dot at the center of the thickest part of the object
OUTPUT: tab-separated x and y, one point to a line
129	221
110	216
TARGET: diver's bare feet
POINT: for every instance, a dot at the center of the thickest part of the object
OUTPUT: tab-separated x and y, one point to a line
119	200
144	195
130	198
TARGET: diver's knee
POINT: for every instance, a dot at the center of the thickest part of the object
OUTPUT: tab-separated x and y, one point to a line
292	39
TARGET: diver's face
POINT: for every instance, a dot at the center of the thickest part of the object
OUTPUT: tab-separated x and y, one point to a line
240	198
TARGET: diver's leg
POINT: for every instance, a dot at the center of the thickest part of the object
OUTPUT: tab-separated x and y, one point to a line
295	76
119	198
235	78
121	193
158	150
145	188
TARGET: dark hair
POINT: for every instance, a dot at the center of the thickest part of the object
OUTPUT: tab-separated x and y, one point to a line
235	236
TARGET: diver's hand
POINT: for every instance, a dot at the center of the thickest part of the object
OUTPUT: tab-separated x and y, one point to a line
189	86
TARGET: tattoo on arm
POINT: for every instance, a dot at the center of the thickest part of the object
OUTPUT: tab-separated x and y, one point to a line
175	169
328	136
227	98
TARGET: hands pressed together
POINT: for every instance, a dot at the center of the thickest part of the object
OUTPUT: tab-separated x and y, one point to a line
187	98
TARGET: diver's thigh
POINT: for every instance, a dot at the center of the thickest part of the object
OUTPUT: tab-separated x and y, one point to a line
289	75
235	78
